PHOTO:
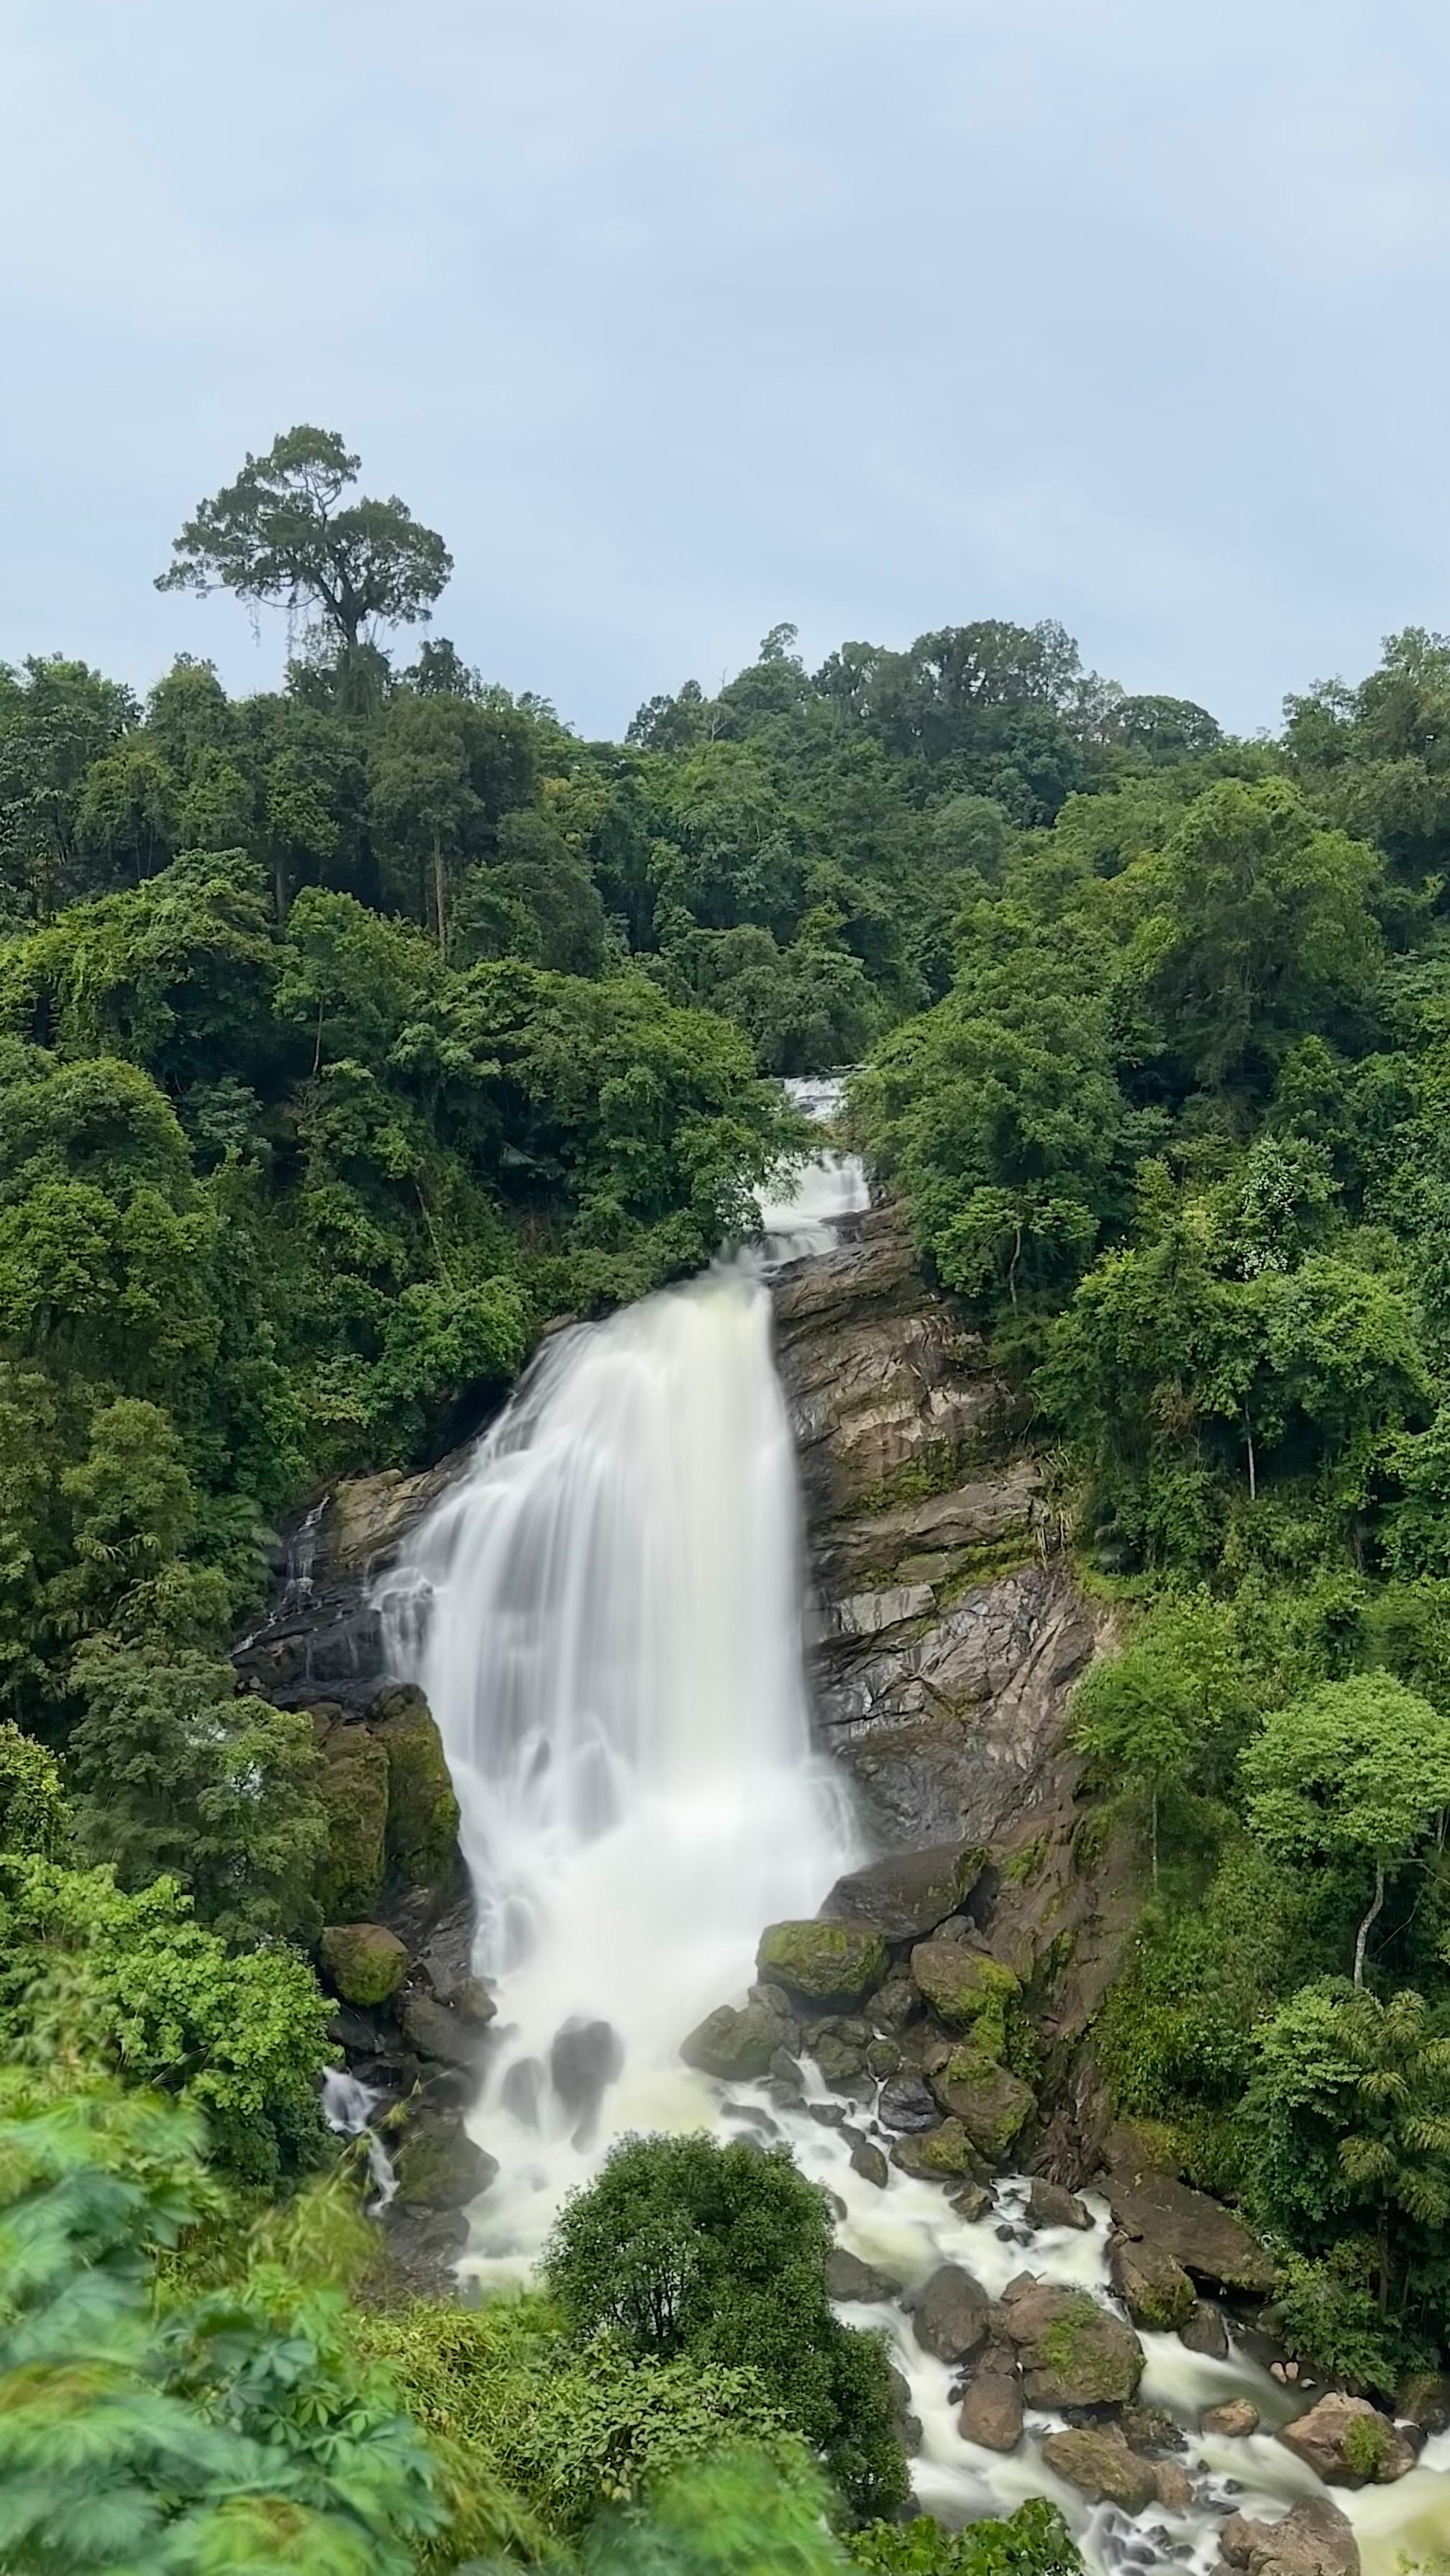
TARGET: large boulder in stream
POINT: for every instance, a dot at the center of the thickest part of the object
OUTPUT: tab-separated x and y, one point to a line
1348	2443
828	1965
950	2313
1073	2352
1314	2540
1155	2290
992	2105
736	2043
1096	2460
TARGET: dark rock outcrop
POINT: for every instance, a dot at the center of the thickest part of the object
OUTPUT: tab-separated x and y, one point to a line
1097	2461
950	2313
907	1894
1150	2204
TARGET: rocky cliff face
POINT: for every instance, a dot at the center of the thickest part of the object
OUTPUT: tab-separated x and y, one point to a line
947	1631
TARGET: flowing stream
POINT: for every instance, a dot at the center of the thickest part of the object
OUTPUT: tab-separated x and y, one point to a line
605	1615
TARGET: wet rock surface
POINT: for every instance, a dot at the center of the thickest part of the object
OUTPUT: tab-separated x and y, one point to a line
1348	2443
1315	2539
950	2313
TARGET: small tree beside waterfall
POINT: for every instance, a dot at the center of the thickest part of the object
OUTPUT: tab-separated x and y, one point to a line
683	2246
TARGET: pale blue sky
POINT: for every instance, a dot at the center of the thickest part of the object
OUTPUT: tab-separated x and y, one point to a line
678	320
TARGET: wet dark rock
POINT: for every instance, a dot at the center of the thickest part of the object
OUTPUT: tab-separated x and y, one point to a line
1149	2201
849	2279
1150	2428
942	2154
906	2104
1237	2418
735	2043
895	2005
949	2313
584	2057
907	2426
1074	2352
365	1962
991	2104
1155	2290
973	2202
438	2165
750	2115
436	2030
828	2115
841	2063
823	1963
992	2404
870	2164
787	2082
522	2091
908	1893
1097	2461
1205	2330
1049	2205
424	2245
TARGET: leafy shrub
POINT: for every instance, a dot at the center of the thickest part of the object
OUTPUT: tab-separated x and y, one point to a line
569	2428
145	1989
688	2249
1033	2541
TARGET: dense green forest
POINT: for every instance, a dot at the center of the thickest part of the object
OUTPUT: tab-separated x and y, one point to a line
352	1032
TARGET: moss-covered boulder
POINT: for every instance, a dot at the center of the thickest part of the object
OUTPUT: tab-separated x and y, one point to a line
1097	2461
736	2043
1073	2352
353	1782
967	1991
1155	2290
908	1893
438	2166
823	1963
364	1962
943	2154
992	2105
421	1844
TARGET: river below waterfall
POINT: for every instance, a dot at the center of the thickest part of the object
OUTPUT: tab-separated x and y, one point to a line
606	1617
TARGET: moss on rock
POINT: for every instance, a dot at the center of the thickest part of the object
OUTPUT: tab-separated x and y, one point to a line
421	1843
967	1991
992	2104
365	1963
824	1963
354	1786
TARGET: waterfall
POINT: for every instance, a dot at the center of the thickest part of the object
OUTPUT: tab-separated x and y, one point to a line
605	1615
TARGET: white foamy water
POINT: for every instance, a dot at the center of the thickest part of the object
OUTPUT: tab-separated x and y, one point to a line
802	1205
605	1615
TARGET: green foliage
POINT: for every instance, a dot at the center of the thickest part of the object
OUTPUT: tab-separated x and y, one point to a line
1165	1716
717	2254
232	2431
278	534
33	1821
1353	1777
178	1776
147	1990
1033	2541
567	2427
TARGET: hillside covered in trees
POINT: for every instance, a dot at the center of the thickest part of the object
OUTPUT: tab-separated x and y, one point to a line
349	1034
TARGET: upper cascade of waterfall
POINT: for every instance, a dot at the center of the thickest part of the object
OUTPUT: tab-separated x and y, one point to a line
802	1205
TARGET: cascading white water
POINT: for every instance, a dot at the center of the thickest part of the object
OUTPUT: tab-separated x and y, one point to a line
606	1618
612	1649
802	1206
